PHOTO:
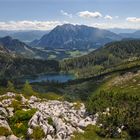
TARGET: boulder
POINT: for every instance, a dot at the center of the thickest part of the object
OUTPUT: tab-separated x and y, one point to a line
10	94
65	118
2	138
3	112
12	137
3	123
49	137
29	131
33	99
10	111
24	100
7	102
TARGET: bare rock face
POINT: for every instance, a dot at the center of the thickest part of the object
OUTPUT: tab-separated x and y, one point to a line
57	119
12	137
3	112
4	123
30	131
7	102
7	99
33	99
60	119
24	100
10	94
10	111
49	137
3	118
2	138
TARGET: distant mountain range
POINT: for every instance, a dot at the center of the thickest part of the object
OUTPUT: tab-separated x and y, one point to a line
121	30
131	35
25	36
64	41
70	36
16	47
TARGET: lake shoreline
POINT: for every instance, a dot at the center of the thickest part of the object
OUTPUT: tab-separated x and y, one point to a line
47	77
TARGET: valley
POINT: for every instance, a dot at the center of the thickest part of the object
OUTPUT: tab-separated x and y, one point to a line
74	83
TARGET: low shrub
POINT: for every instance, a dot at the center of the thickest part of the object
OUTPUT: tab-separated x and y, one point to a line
16	105
38	134
50	121
18	97
19	122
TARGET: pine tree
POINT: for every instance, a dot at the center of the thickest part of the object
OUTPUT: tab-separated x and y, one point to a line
27	89
10	86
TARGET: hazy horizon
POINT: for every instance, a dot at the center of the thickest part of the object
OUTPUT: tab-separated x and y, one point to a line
47	14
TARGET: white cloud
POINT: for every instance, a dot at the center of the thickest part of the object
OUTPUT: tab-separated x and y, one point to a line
66	14
29	25
87	14
121	25
108	17
48	25
133	19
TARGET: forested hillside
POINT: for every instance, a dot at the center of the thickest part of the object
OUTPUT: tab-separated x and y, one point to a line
13	66
109	55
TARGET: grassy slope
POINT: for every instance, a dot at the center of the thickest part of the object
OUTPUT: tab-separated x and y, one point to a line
89	134
116	83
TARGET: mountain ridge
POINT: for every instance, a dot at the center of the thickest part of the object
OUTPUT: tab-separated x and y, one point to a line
134	35
23	35
66	33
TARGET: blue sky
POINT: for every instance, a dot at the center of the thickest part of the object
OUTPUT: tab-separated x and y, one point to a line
46	14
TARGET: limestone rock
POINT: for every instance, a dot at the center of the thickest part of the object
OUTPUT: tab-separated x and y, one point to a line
10	94
3	112
12	137
10	111
2	138
7	102
59	119
30	131
4	123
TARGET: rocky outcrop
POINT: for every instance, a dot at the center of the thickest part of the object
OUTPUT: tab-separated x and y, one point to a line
58	119
65	119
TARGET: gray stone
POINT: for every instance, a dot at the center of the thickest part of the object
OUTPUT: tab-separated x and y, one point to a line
12	137
3	123
3	112
2	138
10	111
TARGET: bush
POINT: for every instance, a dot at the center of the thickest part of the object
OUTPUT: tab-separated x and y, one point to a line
19	122
21	115
77	106
10	86
50	121
16	105
38	134
89	134
27	89
18	97
124	111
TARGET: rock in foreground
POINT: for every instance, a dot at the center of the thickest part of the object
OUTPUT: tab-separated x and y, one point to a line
58	120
